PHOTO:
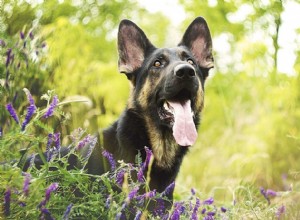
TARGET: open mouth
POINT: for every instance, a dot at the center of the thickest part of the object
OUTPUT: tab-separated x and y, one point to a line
177	113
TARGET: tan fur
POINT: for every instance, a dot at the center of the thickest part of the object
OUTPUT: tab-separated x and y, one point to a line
164	149
199	103
130	102
146	91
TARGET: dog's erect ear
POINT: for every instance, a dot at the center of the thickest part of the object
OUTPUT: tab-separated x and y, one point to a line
133	45
197	38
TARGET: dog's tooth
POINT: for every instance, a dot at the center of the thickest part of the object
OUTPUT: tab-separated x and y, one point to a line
166	106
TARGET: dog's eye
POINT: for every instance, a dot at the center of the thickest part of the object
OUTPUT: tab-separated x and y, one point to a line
157	63
190	61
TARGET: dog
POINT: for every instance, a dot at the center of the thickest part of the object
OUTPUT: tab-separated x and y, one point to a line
165	103
166	98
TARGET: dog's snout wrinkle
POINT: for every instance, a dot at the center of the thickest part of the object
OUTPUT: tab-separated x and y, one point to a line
184	71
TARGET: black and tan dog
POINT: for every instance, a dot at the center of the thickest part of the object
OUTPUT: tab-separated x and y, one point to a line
166	99
167	94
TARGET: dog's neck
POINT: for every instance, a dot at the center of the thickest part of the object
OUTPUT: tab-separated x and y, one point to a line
164	147
167	153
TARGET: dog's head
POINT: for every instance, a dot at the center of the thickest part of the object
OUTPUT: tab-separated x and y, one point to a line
167	82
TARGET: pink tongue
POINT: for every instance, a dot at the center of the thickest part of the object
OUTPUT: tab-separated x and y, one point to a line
184	130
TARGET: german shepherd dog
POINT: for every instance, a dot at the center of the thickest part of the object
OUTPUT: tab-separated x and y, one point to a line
166	99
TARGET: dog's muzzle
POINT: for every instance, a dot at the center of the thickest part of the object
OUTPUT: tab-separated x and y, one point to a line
178	98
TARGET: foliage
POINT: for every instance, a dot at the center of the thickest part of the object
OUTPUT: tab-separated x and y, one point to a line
54	192
249	134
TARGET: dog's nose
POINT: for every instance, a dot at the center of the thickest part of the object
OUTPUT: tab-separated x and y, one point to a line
184	71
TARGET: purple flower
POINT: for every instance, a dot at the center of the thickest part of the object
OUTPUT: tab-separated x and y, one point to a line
178	210
22	204
120	216
147	195
67	212
48	147
7	198
193	191
140	175
110	159
223	209
56	140
26	184
31	35
48	192
159	209
46	214
84	141
203	211
52	151
148	156
22	36
211	213
264	193
165	216
208	217
76	134
91	145
50	189
1	132
175	215
169	189
280	211
51	108
30	110
49	142
270	192
8	57
138	215
132	194
12	112
120	177
150	194
209	201
195	210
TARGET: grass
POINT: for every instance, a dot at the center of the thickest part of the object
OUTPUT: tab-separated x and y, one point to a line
53	192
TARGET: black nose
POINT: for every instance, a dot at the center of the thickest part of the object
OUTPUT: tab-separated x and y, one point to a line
184	71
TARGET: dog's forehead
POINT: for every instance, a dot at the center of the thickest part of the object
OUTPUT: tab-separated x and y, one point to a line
172	52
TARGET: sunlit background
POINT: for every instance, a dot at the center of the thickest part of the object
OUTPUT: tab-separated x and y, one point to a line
250	127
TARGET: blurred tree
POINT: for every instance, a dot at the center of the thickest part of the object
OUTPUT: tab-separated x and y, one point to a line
22	56
82	54
85	60
244	22
15	16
